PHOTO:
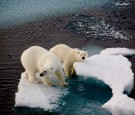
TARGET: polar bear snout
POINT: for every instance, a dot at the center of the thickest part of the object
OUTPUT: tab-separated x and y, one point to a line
83	58
43	73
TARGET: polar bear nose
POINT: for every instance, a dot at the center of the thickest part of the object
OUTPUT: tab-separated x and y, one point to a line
41	74
83	58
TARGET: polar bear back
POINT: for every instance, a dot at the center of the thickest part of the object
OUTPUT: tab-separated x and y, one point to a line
31	56
61	51
51	59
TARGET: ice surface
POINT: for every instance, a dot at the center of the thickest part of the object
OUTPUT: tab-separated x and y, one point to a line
43	96
118	51
115	71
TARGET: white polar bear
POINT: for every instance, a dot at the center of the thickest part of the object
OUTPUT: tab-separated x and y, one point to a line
68	56
37	59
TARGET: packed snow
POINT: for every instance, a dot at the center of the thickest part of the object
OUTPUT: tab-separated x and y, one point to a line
115	71
119	51
38	95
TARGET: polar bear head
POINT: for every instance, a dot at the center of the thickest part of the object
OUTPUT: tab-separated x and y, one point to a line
81	55
48	69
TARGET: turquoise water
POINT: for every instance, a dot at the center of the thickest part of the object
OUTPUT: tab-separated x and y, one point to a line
14	12
86	96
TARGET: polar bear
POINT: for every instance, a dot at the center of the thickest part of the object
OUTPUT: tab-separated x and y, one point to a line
38	60
68	56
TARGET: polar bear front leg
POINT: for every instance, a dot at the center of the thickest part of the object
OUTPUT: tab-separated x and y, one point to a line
46	81
31	76
67	68
60	77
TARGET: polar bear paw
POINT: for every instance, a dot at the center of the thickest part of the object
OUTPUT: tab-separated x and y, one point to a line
64	84
33	80
49	84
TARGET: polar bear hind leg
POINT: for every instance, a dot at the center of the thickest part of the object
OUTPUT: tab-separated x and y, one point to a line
31	76
26	75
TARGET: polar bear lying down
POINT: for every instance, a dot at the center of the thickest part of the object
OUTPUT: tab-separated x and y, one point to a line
37	59
68	56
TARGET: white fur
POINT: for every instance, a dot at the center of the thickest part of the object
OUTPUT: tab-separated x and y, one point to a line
37	59
68	56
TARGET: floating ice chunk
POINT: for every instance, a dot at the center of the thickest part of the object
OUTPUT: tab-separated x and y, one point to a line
122	4
38	95
118	51
120	105
115	71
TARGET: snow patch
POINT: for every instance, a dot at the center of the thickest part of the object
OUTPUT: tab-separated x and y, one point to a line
38	95
120	105
118	51
115	71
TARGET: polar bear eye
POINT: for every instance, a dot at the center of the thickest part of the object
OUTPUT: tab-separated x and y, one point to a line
45	71
78	52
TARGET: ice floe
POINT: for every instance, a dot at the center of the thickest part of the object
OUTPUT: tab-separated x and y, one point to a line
115	71
122	4
38	95
118	51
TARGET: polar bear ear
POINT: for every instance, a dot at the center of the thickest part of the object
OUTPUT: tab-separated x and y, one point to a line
86	52
87	55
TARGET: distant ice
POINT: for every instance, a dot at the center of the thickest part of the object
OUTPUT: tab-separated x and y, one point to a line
115	71
97	28
118	51
122	4
38	95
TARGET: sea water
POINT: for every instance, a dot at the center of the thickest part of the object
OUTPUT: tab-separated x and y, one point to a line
15	12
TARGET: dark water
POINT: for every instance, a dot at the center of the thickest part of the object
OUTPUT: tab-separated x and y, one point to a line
86	96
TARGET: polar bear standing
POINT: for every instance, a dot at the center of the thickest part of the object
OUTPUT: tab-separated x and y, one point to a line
37	59
68	56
